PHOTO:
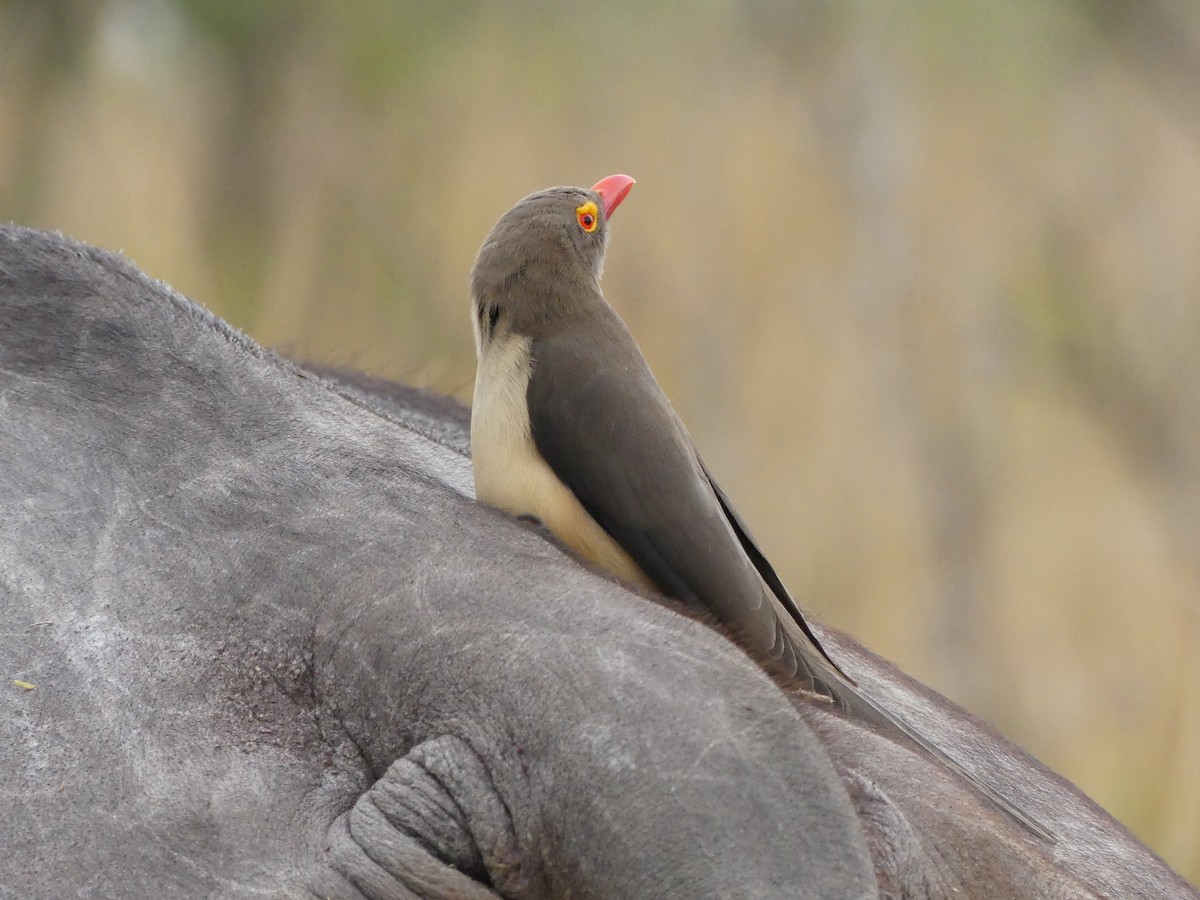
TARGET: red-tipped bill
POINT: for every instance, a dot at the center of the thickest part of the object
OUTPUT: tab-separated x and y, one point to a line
612	191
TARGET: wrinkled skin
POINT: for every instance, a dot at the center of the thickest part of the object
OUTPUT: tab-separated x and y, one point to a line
279	650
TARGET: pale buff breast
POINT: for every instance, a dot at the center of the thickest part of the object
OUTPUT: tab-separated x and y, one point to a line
509	472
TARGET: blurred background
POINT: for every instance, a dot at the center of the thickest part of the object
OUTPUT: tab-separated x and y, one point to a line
922	278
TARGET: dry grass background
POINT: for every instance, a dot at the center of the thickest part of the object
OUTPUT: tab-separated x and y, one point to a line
923	279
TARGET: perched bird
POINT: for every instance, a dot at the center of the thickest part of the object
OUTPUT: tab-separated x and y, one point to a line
569	426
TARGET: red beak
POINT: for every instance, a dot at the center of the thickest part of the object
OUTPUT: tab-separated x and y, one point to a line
612	191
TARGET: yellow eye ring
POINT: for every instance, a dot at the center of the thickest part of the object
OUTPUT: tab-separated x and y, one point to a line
588	216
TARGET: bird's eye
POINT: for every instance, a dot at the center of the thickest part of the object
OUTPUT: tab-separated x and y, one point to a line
588	216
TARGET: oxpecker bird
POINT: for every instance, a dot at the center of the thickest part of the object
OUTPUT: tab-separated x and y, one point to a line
570	427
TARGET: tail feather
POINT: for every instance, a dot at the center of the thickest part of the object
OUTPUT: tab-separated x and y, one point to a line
852	699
